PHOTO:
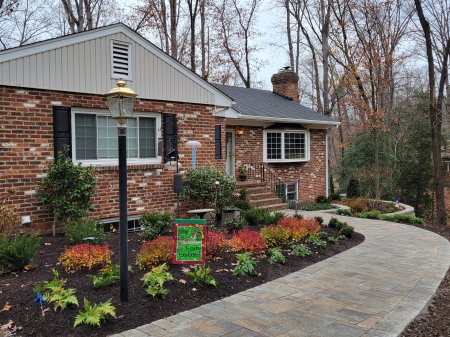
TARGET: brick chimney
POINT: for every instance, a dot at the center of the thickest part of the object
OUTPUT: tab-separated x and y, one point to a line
285	83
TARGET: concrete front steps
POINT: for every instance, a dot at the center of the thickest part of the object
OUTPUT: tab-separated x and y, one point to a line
261	196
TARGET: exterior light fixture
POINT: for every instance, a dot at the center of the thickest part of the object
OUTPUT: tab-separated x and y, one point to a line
120	102
239	132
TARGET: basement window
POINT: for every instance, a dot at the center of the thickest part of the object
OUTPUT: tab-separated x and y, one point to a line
121	60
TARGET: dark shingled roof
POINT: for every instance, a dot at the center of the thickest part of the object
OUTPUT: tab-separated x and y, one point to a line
264	103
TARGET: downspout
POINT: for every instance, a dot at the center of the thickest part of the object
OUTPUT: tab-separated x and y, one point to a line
326	165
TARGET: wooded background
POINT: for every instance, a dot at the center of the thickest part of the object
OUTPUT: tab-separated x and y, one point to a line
379	67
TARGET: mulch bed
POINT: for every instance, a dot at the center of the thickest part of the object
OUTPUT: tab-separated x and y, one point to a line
17	289
434	321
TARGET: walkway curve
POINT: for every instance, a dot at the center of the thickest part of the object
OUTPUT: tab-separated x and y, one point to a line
373	289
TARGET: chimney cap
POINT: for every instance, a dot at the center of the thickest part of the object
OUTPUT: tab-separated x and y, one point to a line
284	69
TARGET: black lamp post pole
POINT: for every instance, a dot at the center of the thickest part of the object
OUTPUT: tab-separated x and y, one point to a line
123	226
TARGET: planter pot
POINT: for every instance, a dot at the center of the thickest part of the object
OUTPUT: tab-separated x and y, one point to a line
242	178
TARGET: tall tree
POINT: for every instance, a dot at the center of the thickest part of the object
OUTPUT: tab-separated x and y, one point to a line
85	14
437	55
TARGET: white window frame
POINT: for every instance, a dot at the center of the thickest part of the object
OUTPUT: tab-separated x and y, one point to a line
286	189
115	161
130	63
283	160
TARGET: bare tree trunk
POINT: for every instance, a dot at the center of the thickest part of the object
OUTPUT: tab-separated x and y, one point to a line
193	11
173	28
202	38
289	34
326	10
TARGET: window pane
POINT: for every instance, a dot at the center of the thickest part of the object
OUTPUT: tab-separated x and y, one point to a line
273	145
291	191
147	137
107	137
294	146
85	137
132	148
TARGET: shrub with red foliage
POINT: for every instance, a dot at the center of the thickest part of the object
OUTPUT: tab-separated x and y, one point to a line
216	243
155	252
247	240
85	256
299	228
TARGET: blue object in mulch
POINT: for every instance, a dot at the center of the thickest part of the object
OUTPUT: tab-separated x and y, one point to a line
40	299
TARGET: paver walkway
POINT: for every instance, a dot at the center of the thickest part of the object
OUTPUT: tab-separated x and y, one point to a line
374	289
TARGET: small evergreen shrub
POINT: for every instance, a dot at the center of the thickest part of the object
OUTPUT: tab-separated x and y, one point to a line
154	224
373	214
77	230
333	222
402	218
53	292
276	256
243	205
309	206
300	250
155	279
321	199
155	252
259	216
319	219
235	223
353	190
334	197
84	256
202	274
343	211
17	251
247	240
346	230
246	265
94	314
216	243
275	236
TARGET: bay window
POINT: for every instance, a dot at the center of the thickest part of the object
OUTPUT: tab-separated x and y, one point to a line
286	145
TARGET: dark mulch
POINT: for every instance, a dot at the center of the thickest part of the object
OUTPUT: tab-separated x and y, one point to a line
17	289
435	319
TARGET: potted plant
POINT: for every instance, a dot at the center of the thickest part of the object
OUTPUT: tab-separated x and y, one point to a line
242	173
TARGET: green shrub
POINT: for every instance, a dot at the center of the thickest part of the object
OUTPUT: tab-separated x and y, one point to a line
107	276
200	187
17	251
275	256
67	189
235	223
95	314
300	250
276	216
333	239
321	199
275	236
243	205
353	190
343	211
346	230
202	274
333	222
322	236
373	214
309	206
402	218
316	242
155	279
77	230
246	265
341	237
53	291
154	224
258	216
319	219
334	197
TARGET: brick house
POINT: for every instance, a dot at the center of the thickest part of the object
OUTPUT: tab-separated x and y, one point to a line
52	94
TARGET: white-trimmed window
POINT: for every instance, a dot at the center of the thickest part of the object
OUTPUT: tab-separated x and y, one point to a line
286	145
94	138
121	60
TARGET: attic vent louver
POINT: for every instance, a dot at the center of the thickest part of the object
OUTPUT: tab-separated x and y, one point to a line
121	56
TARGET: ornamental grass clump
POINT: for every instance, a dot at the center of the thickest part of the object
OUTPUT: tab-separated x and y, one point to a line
85	256
155	252
247	240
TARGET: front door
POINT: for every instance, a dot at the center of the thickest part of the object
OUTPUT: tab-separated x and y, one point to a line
229	135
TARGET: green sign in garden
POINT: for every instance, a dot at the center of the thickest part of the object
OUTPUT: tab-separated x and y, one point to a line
189	241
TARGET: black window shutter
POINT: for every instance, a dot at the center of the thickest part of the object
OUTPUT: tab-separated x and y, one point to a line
62	130
170	136
218	141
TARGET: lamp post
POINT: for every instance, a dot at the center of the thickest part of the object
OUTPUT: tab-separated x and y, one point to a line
120	102
193	144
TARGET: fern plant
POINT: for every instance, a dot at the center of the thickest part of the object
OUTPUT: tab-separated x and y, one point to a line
202	274
276	256
94	314
53	291
246	265
155	279
107	276
300	250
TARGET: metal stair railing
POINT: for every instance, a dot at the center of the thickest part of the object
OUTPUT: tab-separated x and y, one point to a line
259	171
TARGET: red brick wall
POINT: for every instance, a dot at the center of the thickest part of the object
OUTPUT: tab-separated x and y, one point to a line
310	175
26	151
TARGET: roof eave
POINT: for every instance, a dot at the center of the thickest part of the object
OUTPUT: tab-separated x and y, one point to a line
287	120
